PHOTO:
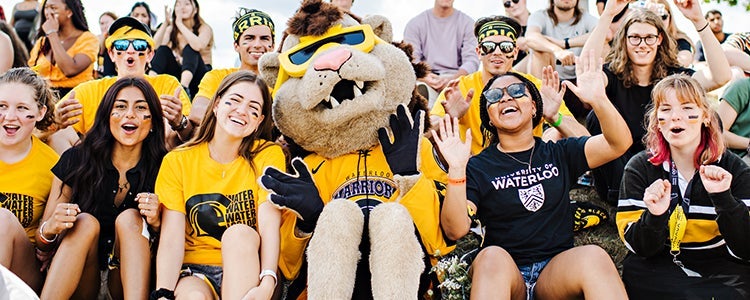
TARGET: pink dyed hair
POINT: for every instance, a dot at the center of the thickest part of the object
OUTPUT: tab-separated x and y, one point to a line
687	90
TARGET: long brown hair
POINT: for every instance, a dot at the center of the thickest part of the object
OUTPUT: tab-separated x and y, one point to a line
197	23
687	90
247	150
666	54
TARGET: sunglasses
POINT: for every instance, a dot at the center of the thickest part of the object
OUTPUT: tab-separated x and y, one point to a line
487	47
507	3
664	17
122	45
636	40
514	90
296	60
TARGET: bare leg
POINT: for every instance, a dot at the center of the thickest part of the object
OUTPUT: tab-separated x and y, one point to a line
134	253
193	288
17	252
496	276
585	271
240	246
74	271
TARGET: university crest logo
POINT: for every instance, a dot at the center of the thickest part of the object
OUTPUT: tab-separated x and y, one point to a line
532	198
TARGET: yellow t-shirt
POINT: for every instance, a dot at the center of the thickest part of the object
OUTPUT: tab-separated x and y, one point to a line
210	82
213	196
87	44
471	118
90	94
367	180
25	185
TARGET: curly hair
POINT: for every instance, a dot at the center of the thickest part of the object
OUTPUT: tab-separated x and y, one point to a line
42	94
687	90
488	130
666	54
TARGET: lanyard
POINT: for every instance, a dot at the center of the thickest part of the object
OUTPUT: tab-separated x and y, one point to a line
680	206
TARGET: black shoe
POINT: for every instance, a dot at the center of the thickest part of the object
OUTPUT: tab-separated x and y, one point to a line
587	215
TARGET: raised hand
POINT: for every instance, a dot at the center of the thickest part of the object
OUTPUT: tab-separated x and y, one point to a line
455	152
454	104
691	9
297	193
715	179
172	107
401	154
67	111
657	197
614	7
51	24
148	206
552	92
589	72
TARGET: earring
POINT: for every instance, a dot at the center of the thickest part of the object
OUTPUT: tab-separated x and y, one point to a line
151	130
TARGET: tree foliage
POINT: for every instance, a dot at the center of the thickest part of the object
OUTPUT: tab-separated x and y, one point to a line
743	3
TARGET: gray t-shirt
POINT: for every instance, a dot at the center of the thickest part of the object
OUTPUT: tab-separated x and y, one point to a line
541	20
446	44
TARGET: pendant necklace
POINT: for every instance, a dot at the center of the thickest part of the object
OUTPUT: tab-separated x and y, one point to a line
528	164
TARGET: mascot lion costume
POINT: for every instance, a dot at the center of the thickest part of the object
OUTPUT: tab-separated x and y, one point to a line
365	204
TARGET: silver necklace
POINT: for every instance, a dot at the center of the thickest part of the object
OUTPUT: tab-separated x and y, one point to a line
528	164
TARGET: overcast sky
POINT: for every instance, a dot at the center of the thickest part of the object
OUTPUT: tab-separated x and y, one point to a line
219	14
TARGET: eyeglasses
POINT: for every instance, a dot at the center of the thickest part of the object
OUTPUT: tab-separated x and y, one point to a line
664	17
514	90
507	3
649	39
138	45
487	47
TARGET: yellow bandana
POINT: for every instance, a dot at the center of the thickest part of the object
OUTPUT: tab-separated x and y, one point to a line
497	28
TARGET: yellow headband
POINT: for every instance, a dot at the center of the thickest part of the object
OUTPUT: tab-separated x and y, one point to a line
128	33
250	19
496	28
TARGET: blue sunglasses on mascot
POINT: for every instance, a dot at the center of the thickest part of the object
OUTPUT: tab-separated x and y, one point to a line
296	60
514	90
122	45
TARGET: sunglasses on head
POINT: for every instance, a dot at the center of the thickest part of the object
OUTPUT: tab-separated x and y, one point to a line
487	47
514	90
122	45
507	3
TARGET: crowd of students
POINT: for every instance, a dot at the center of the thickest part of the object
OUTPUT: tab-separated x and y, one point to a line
102	172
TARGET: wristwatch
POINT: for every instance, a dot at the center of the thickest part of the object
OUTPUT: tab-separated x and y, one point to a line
183	124
567	43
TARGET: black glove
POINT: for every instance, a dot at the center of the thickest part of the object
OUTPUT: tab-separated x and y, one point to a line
402	153
295	192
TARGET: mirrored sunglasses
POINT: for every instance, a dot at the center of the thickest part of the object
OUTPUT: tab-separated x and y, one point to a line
122	45
514	90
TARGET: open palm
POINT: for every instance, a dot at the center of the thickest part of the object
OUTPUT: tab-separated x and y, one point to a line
455	152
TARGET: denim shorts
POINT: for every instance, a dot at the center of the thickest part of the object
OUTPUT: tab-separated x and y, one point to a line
212	275
530	274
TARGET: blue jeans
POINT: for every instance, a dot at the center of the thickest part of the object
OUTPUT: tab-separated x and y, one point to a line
530	274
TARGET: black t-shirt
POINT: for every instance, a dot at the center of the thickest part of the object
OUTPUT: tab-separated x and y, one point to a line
683	44
106	211
632	103
527	213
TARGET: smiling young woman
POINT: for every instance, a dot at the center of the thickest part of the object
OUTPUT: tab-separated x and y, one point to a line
102	212
25	178
209	187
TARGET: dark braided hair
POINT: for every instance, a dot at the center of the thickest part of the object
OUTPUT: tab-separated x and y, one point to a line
488	131
78	19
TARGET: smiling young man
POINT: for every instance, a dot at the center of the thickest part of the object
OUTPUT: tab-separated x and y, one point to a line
497	37
253	36
130	46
